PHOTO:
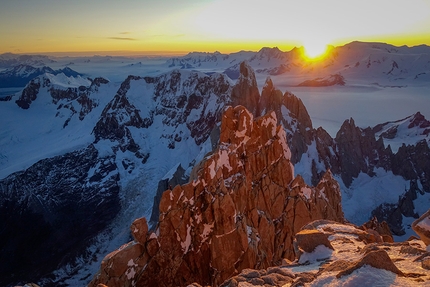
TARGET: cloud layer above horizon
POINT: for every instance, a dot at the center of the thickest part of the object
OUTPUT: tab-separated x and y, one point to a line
29	26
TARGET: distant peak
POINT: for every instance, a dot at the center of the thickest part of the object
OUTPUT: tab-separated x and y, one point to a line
269	49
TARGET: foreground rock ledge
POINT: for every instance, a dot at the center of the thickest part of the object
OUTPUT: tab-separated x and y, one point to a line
351	259
240	210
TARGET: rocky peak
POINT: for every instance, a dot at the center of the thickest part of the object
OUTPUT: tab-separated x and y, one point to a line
245	92
267	53
297	122
418	120
292	114
359	151
240	210
29	94
297	110
117	116
271	99
414	126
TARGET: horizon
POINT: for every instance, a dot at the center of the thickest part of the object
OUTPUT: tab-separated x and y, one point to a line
171	27
129	53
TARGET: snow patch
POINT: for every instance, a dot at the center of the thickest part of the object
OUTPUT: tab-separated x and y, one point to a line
186	244
207	229
321	252
307	192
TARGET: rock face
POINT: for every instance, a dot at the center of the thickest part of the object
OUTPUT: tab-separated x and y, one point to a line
359	151
240	210
393	213
75	207
245	92
177	177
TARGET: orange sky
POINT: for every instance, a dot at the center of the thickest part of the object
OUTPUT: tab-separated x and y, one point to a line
149	26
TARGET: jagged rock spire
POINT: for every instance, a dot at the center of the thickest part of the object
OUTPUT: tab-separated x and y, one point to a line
245	92
240	210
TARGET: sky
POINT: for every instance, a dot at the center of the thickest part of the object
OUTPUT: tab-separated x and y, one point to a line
180	26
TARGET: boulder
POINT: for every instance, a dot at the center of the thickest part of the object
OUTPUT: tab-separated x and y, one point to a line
380	231
308	240
422	227
375	258
426	263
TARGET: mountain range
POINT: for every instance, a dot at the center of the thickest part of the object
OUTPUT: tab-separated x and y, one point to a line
81	158
20	75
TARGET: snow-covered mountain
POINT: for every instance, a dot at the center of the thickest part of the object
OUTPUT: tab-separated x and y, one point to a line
111	143
365	63
78	152
201	61
359	63
20	75
10	60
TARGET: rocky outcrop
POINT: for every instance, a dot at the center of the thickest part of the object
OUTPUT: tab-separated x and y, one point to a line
29	94
422	227
376	258
380	231
239	210
336	253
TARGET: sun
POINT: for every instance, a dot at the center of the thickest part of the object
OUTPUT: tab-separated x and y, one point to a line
314	50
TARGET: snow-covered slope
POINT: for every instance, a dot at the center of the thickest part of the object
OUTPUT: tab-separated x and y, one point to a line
60	114
408	131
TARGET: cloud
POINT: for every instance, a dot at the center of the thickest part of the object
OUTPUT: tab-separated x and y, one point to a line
122	38
125	33
169	35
